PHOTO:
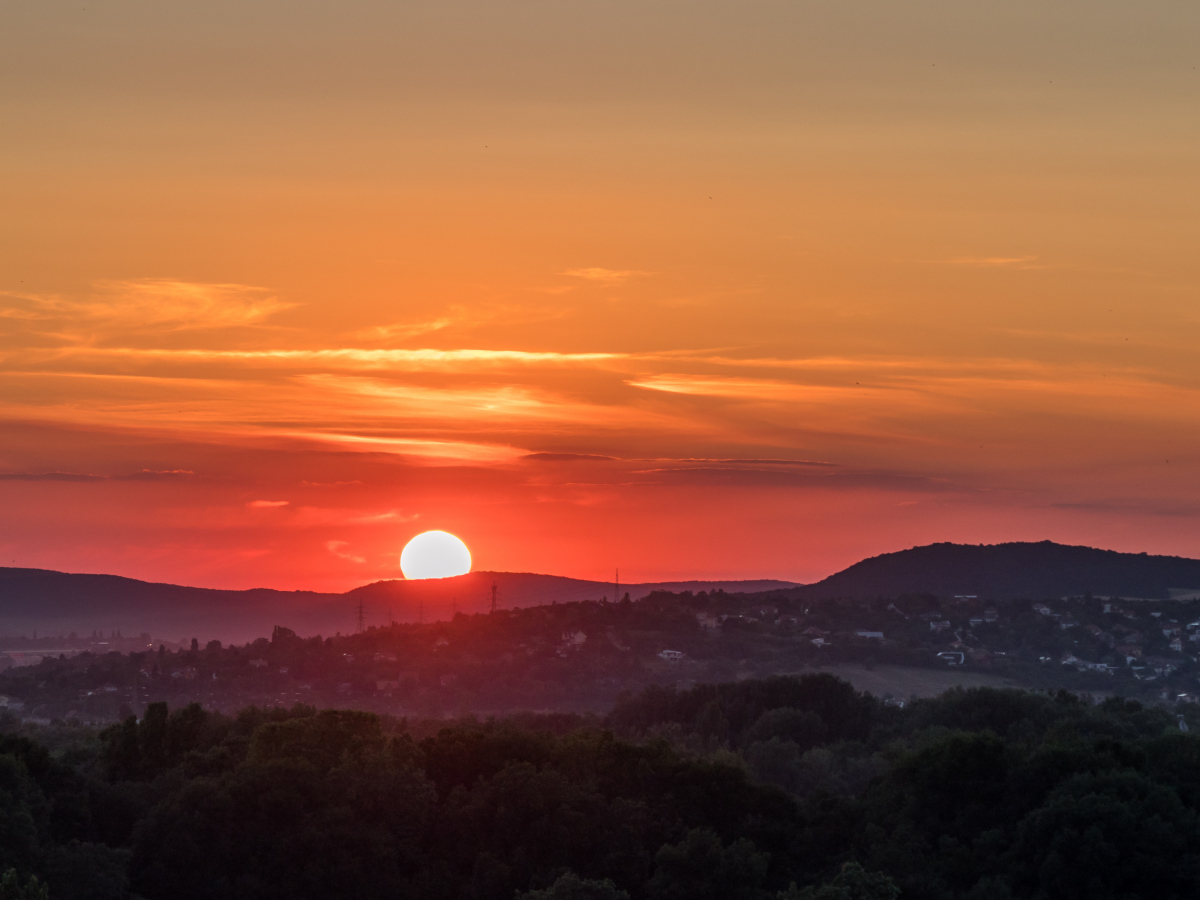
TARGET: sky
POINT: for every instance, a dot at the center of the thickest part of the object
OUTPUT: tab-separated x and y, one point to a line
695	289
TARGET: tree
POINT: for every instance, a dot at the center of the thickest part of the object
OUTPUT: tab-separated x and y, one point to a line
13	887
571	887
852	883
699	868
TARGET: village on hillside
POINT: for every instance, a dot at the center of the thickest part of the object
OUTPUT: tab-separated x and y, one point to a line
581	656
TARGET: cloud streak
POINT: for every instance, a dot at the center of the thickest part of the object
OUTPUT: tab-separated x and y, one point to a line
156	305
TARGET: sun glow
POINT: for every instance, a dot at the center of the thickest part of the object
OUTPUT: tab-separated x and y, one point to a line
435	554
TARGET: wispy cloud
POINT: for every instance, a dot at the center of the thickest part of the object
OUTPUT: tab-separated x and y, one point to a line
349	357
147	305
992	262
390	515
608	276
401	330
144	475
426	450
338	549
267	504
739	388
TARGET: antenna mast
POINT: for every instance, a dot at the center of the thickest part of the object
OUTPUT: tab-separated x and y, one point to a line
493	596
362	617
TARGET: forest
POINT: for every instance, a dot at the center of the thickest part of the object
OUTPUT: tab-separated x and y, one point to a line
769	789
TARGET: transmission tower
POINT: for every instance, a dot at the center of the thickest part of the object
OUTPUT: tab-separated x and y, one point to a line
362	617
494	596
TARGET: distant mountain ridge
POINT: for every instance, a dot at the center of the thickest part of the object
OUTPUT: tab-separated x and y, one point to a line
1010	571
58	602
51	602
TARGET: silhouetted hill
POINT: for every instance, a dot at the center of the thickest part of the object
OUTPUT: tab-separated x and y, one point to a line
1011	571
50	602
472	592
58	602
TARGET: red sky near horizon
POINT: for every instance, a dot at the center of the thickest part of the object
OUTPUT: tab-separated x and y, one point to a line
703	289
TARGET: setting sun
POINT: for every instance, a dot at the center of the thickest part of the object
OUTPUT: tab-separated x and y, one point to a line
435	554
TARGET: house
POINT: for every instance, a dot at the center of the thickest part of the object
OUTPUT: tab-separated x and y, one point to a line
258	663
951	657
1161	666
975	622
991	614
870	635
1043	609
939	625
1176	645
670	655
708	621
385	657
819	642
574	638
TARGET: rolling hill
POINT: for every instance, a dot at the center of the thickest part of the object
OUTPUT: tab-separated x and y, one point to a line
58	602
1034	571
49	602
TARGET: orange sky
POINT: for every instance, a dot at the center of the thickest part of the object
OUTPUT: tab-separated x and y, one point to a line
702	289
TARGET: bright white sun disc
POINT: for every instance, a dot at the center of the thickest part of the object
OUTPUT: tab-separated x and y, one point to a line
435	554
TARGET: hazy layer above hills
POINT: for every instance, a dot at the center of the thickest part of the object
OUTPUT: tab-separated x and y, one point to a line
57	603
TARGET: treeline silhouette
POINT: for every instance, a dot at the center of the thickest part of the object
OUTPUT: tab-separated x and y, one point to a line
783	788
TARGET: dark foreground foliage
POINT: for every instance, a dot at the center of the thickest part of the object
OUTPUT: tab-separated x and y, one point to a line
786	788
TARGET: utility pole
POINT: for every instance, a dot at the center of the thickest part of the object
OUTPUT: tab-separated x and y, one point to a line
362	617
493	596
